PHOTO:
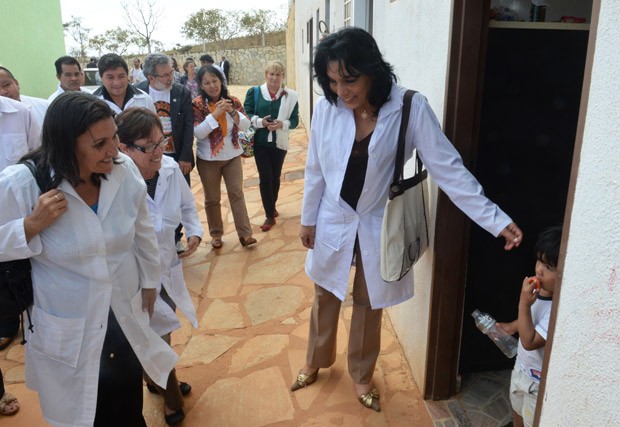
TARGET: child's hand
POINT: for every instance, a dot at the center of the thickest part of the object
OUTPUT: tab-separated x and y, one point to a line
529	292
510	328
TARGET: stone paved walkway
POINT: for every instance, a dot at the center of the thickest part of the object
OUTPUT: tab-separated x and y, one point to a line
253	306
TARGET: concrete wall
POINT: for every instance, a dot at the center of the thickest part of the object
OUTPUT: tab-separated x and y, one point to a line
32	38
420	59
247	66
584	370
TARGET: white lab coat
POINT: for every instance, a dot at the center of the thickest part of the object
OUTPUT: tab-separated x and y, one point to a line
337	224
38	107
19	131
173	204
82	265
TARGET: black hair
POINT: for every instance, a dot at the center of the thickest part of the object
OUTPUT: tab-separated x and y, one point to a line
70	115
136	123
207	58
357	54
217	73
547	247
6	70
66	60
111	61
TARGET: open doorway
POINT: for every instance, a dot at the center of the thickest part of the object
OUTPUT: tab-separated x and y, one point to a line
465	258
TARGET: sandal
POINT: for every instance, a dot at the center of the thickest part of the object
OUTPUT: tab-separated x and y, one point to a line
371	400
304	380
8	404
216	242
247	241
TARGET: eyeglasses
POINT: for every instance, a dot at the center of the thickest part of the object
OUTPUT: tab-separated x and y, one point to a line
165	76
147	149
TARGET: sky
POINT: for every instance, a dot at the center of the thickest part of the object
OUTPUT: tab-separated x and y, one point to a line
102	16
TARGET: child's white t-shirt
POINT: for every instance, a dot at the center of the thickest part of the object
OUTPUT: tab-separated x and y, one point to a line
531	361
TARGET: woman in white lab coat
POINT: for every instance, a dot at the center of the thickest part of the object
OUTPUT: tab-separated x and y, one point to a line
170	202
349	168
95	269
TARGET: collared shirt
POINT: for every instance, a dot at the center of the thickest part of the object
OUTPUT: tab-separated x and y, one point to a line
134	97
38	107
19	131
61	90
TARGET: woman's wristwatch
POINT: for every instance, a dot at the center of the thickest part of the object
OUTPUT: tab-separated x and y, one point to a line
233	113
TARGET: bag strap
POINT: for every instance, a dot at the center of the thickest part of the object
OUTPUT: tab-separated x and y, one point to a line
42	183
400	185
256	92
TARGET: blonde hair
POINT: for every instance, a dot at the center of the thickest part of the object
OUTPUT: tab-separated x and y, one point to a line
276	66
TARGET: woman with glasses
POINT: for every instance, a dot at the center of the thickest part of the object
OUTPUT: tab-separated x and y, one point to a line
218	118
170	202
95	268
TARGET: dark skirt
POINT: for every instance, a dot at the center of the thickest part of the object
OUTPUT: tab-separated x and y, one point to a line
119	396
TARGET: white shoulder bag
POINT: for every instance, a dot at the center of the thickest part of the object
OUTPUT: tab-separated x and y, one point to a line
404	233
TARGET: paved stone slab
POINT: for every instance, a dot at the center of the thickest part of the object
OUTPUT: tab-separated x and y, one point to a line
257	350
222	315
204	349
270	303
226	276
275	269
16	353
256	400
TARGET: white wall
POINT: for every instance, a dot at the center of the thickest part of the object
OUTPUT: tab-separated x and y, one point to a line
419	52
583	378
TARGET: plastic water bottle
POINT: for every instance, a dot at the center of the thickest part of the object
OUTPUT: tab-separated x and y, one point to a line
506	343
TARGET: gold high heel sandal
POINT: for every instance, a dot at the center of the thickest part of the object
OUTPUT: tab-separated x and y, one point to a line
304	380
371	400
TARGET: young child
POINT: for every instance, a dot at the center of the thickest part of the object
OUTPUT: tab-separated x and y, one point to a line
532	323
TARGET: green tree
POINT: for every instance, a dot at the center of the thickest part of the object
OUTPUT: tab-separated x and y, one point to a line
213	26
97	43
142	17
261	22
79	34
118	40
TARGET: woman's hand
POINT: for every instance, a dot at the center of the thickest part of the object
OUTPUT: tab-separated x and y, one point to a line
306	234
265	121
513	236
192	245
275	125
186	167
222	106
148	300
49	207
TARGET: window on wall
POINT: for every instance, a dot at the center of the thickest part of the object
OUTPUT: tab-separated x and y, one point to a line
348	15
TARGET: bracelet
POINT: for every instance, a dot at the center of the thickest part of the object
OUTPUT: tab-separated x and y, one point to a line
233	113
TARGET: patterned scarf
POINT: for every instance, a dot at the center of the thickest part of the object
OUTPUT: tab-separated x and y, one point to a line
216	137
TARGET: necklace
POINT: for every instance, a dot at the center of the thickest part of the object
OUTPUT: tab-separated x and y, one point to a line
364	114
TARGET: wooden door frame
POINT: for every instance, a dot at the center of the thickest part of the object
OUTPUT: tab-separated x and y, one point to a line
461	125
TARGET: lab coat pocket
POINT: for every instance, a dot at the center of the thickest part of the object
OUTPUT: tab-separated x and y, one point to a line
329	232
57	338
14	145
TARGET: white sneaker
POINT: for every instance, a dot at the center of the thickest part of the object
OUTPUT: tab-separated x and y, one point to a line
180	248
